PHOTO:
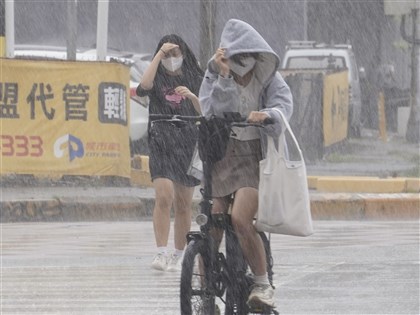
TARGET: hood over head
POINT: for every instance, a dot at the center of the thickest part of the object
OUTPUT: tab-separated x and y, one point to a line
240	37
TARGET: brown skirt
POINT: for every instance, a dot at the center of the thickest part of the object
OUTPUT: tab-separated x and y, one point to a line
239	167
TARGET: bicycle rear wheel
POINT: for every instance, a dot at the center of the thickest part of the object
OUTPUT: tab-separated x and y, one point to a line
196	296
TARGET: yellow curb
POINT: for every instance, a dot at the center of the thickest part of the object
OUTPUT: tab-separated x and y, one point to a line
397	208
33	209
350	184
312	182
140	178
140	162
412	185
324	206
103	208
336	207
361	184
136	162
145	163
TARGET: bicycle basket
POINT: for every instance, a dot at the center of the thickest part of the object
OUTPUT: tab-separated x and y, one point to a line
213	139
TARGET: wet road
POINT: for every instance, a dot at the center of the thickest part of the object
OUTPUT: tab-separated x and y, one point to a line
347	267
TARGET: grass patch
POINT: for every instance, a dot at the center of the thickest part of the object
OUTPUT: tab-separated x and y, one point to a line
335	157
414	172
415	158
409	156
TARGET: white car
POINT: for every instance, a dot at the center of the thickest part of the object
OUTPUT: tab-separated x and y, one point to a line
309	55
139	114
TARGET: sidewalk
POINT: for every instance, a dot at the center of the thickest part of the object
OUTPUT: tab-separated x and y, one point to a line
366	179
49	204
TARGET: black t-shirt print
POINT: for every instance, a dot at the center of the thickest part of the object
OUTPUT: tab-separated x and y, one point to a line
172	98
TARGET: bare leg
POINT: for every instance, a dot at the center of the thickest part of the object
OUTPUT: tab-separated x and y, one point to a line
182	208
243	212
162	211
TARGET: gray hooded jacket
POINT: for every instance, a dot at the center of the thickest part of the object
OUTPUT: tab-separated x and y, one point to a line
218	94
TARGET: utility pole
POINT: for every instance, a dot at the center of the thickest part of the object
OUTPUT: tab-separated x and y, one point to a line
405	9
71	29
305	20
10	28
102	30
413	125
207	25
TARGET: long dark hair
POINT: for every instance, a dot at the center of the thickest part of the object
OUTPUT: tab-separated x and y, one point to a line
190	67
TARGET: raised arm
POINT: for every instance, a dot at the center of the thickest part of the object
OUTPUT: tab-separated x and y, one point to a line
150	73
218	92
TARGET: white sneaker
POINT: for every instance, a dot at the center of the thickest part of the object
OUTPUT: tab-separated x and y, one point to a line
174	263
160	262
261	295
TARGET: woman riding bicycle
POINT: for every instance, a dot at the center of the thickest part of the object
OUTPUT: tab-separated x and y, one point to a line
242	77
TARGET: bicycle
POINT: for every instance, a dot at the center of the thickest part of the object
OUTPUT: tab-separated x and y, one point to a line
207	273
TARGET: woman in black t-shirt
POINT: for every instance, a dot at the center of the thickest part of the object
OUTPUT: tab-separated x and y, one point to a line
172	82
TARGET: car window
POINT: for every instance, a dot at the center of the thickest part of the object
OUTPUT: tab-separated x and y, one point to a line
316	62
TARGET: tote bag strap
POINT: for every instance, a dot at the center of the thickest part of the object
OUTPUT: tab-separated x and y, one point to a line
283	137
271	155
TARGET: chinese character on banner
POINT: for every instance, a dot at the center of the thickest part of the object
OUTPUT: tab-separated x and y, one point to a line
112	103
75	98
8	100
41	97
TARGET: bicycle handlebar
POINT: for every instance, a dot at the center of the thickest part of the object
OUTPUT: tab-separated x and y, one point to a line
154	117
234	118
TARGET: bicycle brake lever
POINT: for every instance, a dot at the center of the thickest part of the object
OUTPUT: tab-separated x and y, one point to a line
268	121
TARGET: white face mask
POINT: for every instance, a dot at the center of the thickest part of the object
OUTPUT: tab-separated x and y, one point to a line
248	64
172	63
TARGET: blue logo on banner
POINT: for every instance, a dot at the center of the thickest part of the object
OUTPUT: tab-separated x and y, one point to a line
69	143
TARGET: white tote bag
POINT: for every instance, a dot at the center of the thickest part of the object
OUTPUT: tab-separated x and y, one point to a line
283	196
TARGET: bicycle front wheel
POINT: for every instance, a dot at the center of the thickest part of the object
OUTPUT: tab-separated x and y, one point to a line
196	296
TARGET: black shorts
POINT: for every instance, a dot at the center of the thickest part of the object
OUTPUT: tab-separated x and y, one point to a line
171	150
